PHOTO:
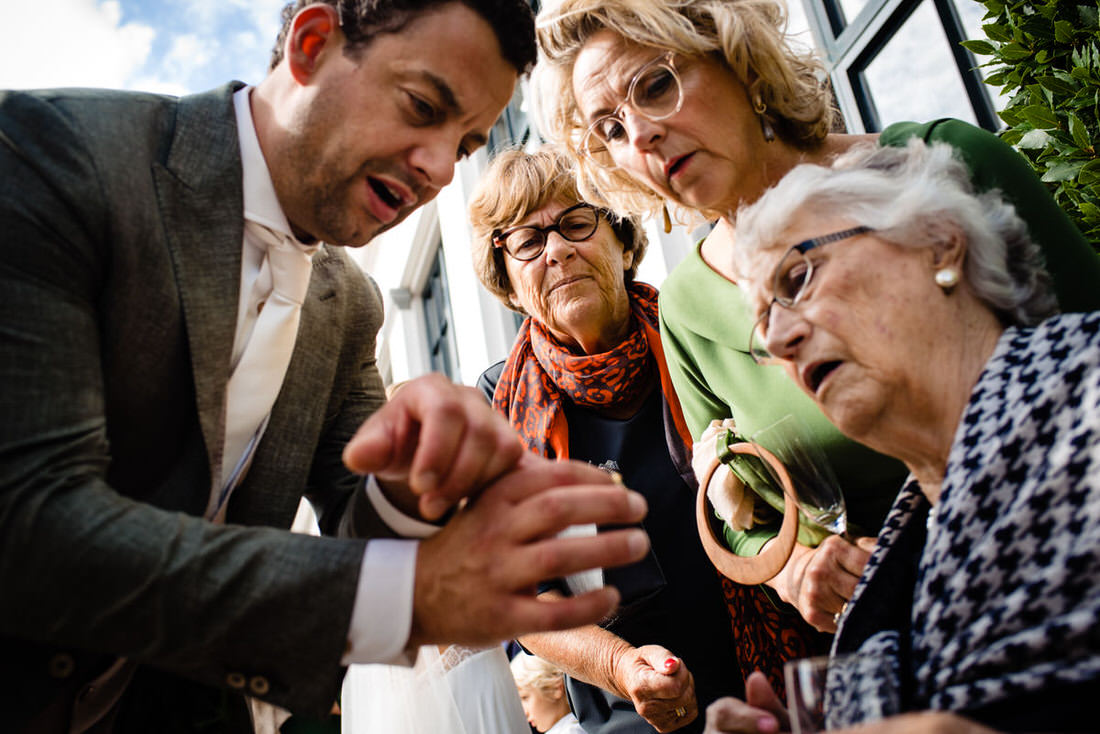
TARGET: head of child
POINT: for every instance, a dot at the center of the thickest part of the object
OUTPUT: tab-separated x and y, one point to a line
541	689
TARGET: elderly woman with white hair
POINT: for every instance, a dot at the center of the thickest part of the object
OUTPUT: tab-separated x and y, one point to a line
917	315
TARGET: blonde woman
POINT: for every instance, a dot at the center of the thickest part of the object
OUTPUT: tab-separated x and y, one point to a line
542	690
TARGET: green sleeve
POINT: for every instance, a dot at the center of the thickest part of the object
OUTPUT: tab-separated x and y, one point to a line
699	404
1070	258
704	328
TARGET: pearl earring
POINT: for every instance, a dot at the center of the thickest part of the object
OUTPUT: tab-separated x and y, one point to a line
947	278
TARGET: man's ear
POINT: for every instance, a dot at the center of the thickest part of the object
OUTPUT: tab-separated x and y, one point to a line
313	31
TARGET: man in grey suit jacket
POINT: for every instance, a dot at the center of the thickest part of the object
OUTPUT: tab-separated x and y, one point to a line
123	608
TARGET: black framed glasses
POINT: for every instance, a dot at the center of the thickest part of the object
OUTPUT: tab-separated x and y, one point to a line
655	92
790	281
526	242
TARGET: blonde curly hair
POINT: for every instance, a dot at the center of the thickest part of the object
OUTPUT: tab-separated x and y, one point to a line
748	35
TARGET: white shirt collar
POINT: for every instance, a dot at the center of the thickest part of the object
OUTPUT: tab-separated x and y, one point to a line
261	205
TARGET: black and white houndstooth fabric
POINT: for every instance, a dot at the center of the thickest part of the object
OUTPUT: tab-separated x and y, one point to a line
1007	592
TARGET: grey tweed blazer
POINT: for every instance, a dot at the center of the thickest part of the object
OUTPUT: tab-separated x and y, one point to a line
120	248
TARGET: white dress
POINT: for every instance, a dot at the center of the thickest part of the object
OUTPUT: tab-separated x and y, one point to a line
461	691
567	724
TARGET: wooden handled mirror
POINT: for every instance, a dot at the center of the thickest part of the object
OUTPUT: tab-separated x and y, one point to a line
749	570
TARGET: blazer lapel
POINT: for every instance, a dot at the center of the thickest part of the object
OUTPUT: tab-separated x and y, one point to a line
200	191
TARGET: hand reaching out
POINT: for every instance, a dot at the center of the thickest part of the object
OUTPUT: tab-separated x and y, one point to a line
476	578
761	713
439	440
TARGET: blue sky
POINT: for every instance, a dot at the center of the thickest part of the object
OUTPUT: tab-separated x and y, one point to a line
173	46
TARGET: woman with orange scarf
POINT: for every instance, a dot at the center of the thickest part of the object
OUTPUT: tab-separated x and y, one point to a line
586	380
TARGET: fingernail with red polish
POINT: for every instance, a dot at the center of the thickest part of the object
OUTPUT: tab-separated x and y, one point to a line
670	662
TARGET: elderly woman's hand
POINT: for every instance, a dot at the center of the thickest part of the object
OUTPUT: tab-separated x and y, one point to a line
819	581
659	685
761	713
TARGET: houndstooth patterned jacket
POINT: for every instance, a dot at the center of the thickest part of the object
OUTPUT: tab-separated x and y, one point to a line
989	605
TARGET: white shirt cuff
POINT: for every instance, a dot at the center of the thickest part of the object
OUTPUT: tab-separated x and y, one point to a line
381	617
395	519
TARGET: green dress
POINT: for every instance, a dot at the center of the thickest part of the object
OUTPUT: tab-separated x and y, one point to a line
705	324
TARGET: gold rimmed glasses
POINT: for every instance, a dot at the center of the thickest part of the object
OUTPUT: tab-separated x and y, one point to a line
790	281
655	92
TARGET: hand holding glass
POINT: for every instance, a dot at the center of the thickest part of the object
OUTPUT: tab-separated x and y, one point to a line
816	489
832	692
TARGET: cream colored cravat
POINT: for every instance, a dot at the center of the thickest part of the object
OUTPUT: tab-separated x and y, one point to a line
258	376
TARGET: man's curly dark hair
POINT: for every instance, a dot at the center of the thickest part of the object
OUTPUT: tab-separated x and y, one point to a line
512	21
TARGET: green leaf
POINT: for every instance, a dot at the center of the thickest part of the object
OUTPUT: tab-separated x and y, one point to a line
981	48
1047	10
1079	132
1037	26
1034	140
1063	31
1014	52
1089	175
997	32
1057	86
1081	73
1090	16
1039	95
1091	211
1040	117
1066	77
1061	171
1011	116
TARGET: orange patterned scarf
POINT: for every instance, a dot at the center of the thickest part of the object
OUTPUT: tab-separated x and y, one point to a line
540	373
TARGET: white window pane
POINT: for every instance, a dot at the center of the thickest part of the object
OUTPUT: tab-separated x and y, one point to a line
851	8
971	13
914	77
798	28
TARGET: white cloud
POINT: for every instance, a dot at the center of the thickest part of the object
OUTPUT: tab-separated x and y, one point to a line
71	43
263	15
176	46
186	52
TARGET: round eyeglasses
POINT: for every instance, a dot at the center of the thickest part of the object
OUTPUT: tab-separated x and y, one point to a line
526	242
655	92
790	282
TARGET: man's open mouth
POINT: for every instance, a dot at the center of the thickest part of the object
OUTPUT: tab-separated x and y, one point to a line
388	196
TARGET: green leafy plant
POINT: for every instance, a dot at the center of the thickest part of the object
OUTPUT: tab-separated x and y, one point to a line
1045	56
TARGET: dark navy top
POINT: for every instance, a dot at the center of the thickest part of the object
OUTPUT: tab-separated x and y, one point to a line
673	597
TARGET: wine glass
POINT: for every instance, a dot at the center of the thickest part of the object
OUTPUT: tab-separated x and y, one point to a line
816	489
829	692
